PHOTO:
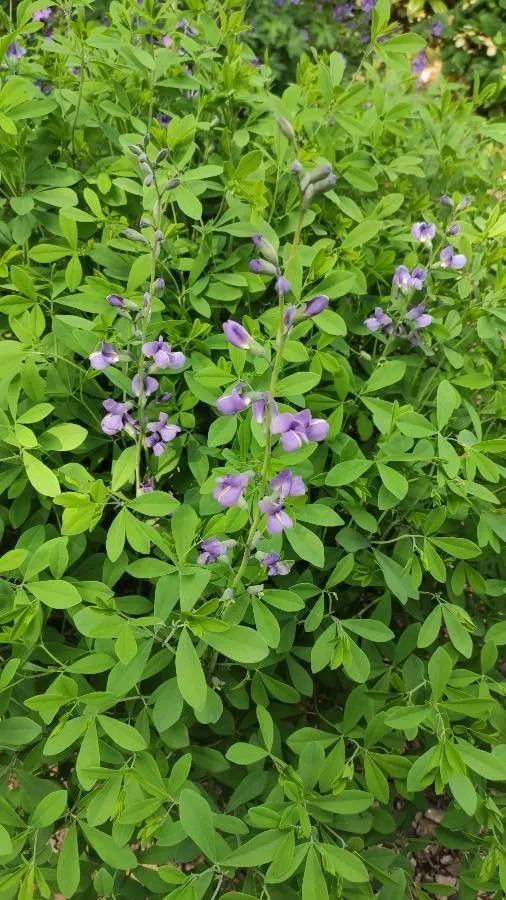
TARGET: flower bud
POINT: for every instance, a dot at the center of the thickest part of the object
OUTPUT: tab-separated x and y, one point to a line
316	305
265	248
170	185
445	200
463	203
453	229
158	235
308	196
283	286
148	179
160	156
286	128
134	235
315	176
296	167
326	184
159	284
134	148
116	300
146	140
144	223
262	267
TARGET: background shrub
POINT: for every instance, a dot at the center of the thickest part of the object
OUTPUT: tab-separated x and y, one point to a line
236	687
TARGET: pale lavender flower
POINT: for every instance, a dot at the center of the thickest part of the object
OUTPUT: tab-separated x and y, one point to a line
286	484
378	320
150	385
277	519
167	41
159	284
419	317
401	277
164	119
147	486
316	305
289	317
451	260
42	15
423	231
118	418
162	354
274	564
230	489
104	357
283	286
453	229
259	407
213	550
75	70
342	11
417	278
237	335
235	402
437	29
445	200
161	434
15	51
298	429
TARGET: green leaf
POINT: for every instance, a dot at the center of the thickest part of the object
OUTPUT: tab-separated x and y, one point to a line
440	668
55	594
447	401
68	872
406	718
238	643
115	540
184	525
222	431
481	762
331	322
49	809
396	578
299	383
188	202
362	233
123	468
464	792
347	472
122	734
5	842
390	372
313	881
190	676
108	850
370	629
197	820
394	481
258	851
157	503
460	548
245	754
40	476
344	864
306	545
430	629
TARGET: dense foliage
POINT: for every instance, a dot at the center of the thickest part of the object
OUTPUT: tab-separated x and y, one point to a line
252	570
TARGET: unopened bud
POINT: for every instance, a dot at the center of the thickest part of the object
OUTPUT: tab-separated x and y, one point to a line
134	235
173	183
315	176
255	589
160	156
463	203
453	229
308	196
144	223
266	249
286	128
148	179
262	267
159	284
445	200
134	148
326	184
158	235
296	167
146	140
145	167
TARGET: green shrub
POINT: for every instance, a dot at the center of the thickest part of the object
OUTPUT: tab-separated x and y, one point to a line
236	687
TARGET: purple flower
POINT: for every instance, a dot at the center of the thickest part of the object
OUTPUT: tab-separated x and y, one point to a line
265	248
150	385
162	354
259	407
277	519
423	231
274	564
237	335
283	286
229	404
342	11
213	551
230	489
255	62
286	484
165	397
104	357
147	486
159	284
289	317
419	317
164	119
445	200
161	434
417	278
262	267
453	229
116	300
316	305
75	70
419	62
15	51
377	320
367	6
298	429
42	15
167	40
437	29
451	260
401	277
118	418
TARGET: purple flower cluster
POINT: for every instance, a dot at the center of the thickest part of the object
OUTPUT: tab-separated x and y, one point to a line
418	317
406	280
229	490
378	320
274	564
118	418
419	62
162	355
161	434
451	260
212	550
106	356
42	15
15	51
